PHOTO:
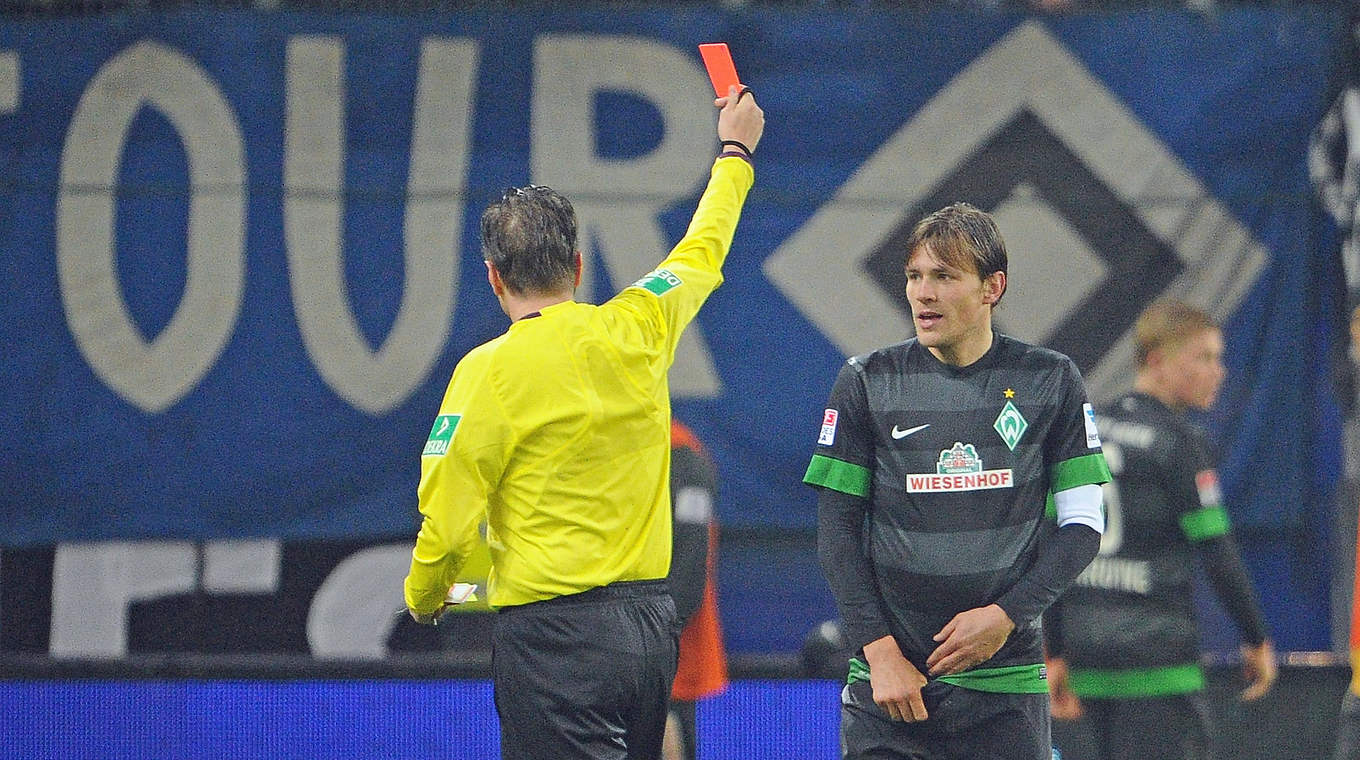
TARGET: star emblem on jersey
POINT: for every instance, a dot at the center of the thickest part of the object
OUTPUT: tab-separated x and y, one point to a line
1010	425
1009	393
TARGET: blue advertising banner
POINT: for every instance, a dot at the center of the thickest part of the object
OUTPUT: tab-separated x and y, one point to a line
241	256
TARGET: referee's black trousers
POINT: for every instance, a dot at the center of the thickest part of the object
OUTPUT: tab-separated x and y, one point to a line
586	676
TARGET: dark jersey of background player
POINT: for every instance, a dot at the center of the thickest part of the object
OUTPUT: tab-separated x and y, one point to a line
935	465
1123	639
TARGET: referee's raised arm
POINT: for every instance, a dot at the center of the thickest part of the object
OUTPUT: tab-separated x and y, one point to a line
680	284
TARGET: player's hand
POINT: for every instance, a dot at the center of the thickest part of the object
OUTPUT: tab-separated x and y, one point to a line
1260	670
740	118
1063	703
969	639
895	681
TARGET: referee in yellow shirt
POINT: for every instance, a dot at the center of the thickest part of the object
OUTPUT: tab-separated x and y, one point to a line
557	433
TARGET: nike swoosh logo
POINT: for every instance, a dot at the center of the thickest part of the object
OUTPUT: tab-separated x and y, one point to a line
900	434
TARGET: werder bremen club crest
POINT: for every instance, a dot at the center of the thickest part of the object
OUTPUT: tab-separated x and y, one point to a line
1010	425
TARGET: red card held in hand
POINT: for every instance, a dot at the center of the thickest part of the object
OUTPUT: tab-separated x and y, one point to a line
721	71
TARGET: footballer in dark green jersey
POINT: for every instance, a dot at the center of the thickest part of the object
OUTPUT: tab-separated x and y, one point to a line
937	462
1123	641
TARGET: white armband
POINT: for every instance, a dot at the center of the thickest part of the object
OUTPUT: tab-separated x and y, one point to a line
1082	505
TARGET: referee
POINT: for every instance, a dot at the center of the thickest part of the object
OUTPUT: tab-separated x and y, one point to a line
558	434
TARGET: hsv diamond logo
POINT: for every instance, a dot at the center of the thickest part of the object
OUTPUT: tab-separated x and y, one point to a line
1085	195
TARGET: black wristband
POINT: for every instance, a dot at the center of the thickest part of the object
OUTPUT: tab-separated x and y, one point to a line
738	145
737	154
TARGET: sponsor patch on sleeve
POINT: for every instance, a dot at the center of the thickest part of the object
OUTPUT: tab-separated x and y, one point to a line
1088	413
1206	482
441	435
828	435
659	281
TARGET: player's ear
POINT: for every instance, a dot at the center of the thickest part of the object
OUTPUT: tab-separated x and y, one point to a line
993	287
579	266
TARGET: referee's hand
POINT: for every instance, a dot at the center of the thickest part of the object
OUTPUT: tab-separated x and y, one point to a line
429	618
740	119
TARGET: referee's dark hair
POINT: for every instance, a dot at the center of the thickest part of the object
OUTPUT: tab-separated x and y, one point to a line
962	236
530	237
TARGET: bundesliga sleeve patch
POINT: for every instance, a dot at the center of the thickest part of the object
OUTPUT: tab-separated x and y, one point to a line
1092	435
828	435
441	435
1206	482
659	281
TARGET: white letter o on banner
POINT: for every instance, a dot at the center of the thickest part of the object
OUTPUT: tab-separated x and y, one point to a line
152	375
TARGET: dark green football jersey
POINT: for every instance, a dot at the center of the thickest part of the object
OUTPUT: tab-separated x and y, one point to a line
957	465
1132	608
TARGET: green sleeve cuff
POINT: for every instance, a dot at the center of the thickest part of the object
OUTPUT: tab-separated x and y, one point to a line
1205	523
1080	471
838	476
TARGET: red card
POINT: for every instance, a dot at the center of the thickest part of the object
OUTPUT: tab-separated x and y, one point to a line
721	70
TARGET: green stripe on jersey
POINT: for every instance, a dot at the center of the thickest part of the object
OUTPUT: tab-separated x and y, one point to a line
859	671
1205	523
1080	471
1137	682
1011	679
838	476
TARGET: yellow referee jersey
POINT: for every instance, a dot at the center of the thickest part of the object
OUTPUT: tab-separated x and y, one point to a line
558	432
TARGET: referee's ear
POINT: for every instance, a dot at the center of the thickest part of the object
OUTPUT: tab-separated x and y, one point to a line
493	277
579	267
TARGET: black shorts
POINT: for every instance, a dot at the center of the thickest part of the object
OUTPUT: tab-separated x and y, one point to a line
587	675
1348	728
1155	728
963	724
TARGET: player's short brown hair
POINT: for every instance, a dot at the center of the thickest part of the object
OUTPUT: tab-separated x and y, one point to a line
1167	323
963	236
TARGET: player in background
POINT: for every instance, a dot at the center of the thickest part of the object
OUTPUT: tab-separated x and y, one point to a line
557	433
1348	721
702	668
1123	641
936	462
